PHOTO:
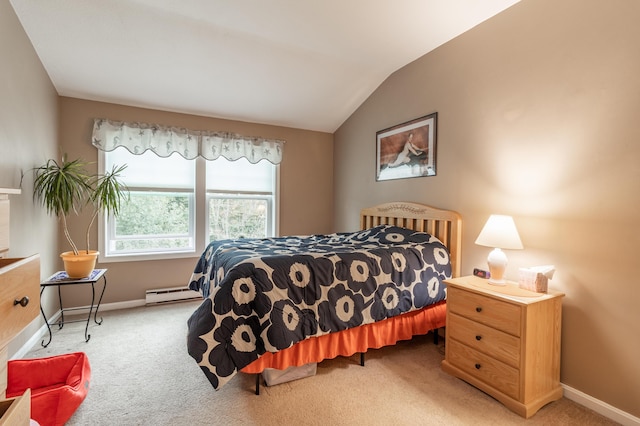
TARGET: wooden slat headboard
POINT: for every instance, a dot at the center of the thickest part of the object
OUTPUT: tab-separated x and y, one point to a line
446	225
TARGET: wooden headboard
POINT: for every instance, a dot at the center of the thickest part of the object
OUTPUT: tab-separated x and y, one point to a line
446	225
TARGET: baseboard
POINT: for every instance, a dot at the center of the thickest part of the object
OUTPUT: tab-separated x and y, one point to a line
600	407
35	338
84	310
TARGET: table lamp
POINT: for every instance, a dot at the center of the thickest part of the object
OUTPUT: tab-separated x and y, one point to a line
500	233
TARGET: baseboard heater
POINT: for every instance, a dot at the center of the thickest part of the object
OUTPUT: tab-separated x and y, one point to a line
169	295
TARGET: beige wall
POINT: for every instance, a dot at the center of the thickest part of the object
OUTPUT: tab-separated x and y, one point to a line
538	118
36	124
306	185
28	134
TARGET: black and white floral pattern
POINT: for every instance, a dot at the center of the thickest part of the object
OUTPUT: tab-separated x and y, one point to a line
268	294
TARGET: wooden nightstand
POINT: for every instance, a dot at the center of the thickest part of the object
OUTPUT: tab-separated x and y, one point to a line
505	341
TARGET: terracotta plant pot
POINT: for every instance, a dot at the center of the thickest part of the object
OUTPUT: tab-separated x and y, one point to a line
79	265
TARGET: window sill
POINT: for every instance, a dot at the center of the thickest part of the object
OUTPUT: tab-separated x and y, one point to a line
147	257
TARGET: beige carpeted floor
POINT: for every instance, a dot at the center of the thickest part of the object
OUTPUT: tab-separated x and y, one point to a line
142	375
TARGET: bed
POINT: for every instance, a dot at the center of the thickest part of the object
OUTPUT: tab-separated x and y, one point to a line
290	301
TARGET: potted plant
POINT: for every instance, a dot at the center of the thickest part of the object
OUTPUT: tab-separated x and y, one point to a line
66	187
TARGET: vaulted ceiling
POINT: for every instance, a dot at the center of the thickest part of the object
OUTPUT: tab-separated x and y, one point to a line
298	63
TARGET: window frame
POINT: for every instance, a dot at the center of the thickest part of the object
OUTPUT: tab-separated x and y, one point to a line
199	221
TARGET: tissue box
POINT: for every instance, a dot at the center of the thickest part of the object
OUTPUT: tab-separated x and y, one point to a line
532	280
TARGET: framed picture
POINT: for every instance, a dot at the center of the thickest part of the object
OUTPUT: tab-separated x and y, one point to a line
407	150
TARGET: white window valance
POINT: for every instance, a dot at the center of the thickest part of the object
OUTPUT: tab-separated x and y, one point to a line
164	141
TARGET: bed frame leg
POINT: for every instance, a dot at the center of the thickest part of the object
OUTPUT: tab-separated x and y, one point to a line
435	336
258	384
362	359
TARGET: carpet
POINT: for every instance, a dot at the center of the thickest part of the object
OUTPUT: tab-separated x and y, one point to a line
143	375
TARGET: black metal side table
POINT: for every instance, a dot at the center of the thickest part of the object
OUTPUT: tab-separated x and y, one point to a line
60	279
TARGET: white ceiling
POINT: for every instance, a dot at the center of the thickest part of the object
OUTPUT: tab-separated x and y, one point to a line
298	63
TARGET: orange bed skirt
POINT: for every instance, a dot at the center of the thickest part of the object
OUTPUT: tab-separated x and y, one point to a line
354	340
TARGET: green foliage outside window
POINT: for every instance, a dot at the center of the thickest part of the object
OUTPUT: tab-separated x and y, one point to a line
153	220
158	220
237	218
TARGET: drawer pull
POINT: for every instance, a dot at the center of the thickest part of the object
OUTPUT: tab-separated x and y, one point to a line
478	366
479	309
22	302
478	338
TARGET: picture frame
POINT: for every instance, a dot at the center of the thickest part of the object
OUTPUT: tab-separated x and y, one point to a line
407	150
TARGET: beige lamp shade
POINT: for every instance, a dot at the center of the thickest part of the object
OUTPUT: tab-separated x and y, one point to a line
500	233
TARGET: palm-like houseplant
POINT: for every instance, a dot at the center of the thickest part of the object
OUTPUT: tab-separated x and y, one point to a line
66	187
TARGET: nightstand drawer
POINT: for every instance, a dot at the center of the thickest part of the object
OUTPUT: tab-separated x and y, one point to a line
19	282
496	374
495	343
495	313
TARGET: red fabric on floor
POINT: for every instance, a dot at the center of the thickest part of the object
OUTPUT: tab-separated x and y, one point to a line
58	385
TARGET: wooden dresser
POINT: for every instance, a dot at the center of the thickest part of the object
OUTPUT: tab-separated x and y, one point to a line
19	305
504	341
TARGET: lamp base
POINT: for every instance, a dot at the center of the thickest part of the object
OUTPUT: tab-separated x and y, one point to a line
497	282
497	262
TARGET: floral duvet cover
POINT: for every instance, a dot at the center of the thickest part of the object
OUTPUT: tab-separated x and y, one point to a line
267	294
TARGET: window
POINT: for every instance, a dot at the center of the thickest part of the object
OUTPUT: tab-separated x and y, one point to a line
159	221
240	196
